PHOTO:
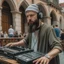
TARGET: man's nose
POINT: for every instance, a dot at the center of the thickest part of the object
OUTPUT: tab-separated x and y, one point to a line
29	18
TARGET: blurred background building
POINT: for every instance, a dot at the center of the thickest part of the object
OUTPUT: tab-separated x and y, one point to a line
12	12
62	10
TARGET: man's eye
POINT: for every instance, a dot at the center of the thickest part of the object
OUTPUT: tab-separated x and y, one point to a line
27	16
31	15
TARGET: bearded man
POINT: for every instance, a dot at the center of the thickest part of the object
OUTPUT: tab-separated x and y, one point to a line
41	37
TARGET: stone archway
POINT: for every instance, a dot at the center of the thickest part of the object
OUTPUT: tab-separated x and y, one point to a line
11	4
53	18
6	16
44	9
22	8
23	3
22	19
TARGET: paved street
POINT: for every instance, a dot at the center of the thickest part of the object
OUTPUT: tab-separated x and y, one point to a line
61	58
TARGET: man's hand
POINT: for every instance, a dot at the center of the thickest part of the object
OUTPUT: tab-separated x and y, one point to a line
20	43
42	60
10	44
45	59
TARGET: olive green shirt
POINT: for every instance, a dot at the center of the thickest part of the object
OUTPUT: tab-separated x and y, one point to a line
47	41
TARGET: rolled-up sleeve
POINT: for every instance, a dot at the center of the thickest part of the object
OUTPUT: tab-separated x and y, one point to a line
53	40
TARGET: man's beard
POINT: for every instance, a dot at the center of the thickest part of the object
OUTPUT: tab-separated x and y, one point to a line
33	26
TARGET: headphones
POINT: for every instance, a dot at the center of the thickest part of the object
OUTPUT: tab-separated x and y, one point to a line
40	15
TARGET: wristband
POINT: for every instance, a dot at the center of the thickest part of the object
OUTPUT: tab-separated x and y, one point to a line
47	56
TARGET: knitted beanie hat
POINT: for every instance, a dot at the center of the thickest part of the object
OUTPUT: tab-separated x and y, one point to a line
32	7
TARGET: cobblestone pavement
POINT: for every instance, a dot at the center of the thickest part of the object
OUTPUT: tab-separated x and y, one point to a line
61	55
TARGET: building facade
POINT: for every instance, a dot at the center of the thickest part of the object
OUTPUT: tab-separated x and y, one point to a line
12	12
62	6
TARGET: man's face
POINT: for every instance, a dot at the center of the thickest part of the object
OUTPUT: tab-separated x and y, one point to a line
31	17
32	20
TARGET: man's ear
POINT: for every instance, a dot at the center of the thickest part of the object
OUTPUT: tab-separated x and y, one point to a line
40	15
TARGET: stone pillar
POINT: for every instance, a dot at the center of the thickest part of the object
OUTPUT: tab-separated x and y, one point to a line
0	18
47	20
16	20
62	23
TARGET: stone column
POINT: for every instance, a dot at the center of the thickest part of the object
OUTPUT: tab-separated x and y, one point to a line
47	20
62	23
0	18
16	20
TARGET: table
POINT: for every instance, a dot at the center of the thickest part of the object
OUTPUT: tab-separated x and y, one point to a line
5	60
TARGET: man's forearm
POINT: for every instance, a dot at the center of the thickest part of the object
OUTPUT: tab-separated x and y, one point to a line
20	43
47	58
53	53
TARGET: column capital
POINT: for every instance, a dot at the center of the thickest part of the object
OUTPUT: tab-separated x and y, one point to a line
16	12
47	17
0	8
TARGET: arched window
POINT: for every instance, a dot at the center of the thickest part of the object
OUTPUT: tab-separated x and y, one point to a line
6	16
